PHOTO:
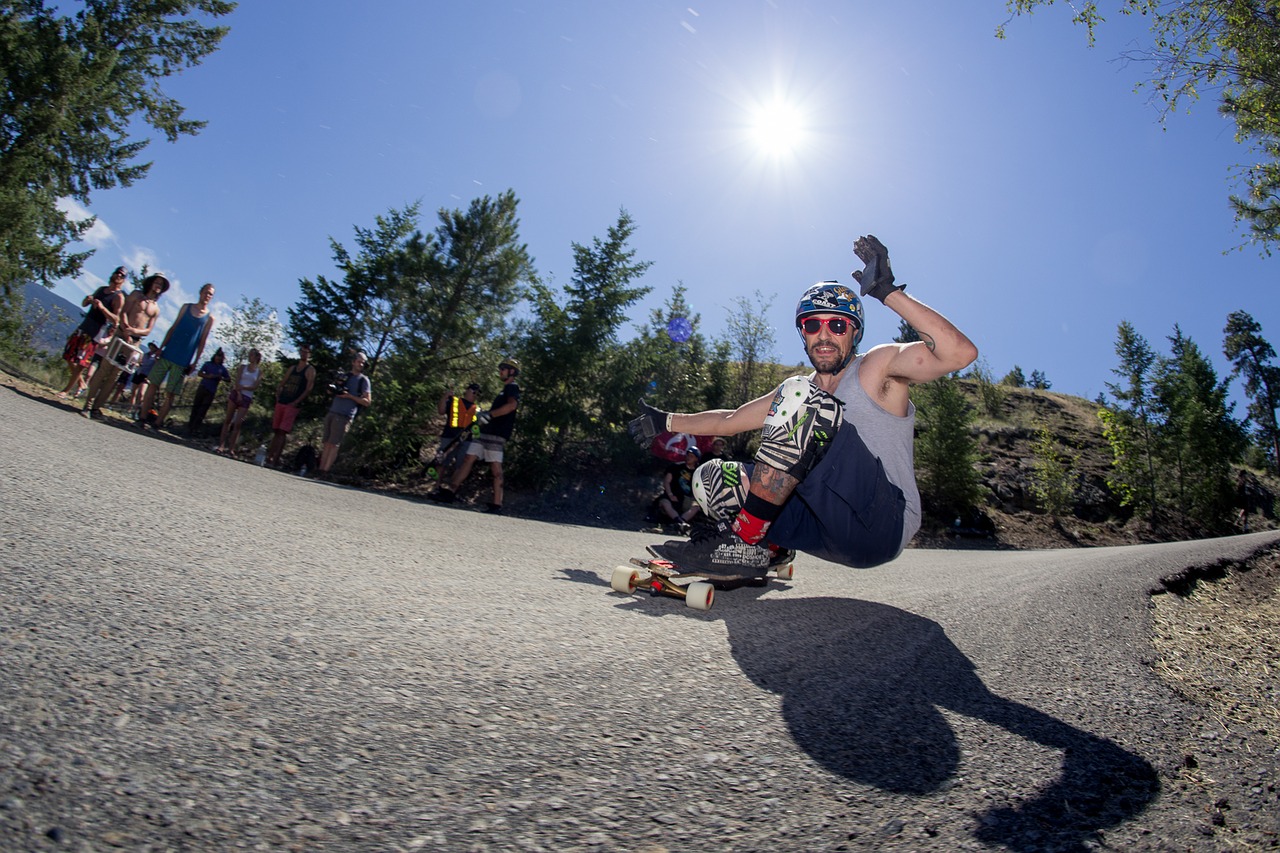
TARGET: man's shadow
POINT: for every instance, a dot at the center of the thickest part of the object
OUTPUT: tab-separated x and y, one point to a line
862	685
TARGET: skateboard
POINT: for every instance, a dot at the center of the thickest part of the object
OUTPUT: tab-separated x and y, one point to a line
698	589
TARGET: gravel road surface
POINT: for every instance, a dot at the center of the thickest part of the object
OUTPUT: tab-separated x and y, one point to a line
199	654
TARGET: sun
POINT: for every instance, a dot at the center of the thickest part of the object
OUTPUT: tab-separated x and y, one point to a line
777	128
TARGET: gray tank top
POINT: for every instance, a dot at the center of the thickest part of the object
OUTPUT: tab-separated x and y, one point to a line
889	437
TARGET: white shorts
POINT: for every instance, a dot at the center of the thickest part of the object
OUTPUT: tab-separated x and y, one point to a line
487	448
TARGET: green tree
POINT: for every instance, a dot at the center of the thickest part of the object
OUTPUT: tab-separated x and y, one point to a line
570	349
1200	441
1039	382
751	342
77	90
1053	476
1251	355
1227	46
465	278
946	450
990	393
1133	426
365	311
1015	378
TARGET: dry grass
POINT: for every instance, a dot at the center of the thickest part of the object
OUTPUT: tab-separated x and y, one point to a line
1219	646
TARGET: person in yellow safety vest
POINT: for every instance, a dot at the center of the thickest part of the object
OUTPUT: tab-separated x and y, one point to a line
459	413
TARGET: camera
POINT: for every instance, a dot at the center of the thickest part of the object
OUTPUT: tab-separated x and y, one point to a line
339	383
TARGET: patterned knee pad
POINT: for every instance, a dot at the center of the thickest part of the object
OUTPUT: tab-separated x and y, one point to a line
720	488
801	425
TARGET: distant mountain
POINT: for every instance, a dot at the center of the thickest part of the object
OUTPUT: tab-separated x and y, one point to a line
55	318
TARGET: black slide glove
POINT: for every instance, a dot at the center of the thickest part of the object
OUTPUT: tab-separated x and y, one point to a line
877	277
650	422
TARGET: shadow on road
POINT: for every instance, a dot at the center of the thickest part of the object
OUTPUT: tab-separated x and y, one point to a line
862	684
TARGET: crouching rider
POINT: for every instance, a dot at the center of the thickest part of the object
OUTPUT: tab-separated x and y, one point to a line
835	473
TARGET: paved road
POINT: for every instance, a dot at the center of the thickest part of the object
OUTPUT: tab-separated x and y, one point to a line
225	657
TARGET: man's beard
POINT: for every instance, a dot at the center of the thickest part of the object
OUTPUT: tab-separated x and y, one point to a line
832	364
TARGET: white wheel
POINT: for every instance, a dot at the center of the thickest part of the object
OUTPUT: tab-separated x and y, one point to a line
624	579
787	572
699	595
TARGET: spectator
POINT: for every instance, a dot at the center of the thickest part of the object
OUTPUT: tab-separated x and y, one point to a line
496	426
459	414
104	306
180	351
239	398
137	319
141	376
212	374
295	387
354	393
676	501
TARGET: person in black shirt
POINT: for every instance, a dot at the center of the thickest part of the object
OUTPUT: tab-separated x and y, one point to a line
496	426
676	500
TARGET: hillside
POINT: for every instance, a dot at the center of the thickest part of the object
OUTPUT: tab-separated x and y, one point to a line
53	318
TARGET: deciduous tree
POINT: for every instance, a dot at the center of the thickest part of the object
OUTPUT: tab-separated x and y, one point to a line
1226	46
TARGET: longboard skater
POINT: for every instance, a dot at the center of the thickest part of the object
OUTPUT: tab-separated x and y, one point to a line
698	589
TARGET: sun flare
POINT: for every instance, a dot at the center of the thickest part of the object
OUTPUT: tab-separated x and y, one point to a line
777	128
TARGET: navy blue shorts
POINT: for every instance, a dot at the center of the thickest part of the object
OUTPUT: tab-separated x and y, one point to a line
846	510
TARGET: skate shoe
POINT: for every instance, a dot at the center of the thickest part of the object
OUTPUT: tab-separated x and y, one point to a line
716	550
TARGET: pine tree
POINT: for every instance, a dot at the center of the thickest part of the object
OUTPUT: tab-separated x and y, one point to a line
76	90
1252	356
1133	430
568	350
1200	440
946	450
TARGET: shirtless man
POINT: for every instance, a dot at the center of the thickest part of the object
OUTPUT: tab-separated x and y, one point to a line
180	352
137	319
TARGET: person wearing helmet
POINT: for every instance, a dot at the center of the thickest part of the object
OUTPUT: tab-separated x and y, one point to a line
834	476
496	426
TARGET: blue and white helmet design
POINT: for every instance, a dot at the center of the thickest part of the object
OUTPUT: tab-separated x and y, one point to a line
830	297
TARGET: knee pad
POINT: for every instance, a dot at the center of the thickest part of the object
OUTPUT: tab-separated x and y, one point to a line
800	426
720	488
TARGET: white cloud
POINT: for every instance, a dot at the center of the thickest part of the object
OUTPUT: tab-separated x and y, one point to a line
99	235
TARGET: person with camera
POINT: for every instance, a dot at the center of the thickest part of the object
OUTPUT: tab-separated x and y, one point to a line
351	394
496	426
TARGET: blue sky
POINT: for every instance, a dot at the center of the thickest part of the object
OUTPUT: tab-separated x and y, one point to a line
1022	186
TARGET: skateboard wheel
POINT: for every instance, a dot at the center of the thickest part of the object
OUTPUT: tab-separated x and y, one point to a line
787	572
624	580
700	595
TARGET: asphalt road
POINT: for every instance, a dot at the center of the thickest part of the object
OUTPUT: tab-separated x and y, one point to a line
199	654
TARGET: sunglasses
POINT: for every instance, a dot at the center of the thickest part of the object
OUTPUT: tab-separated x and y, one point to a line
837	325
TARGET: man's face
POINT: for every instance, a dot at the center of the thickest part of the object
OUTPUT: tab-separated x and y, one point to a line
505	373
153	291
117	280
206	294
357	365
827	351
304	353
